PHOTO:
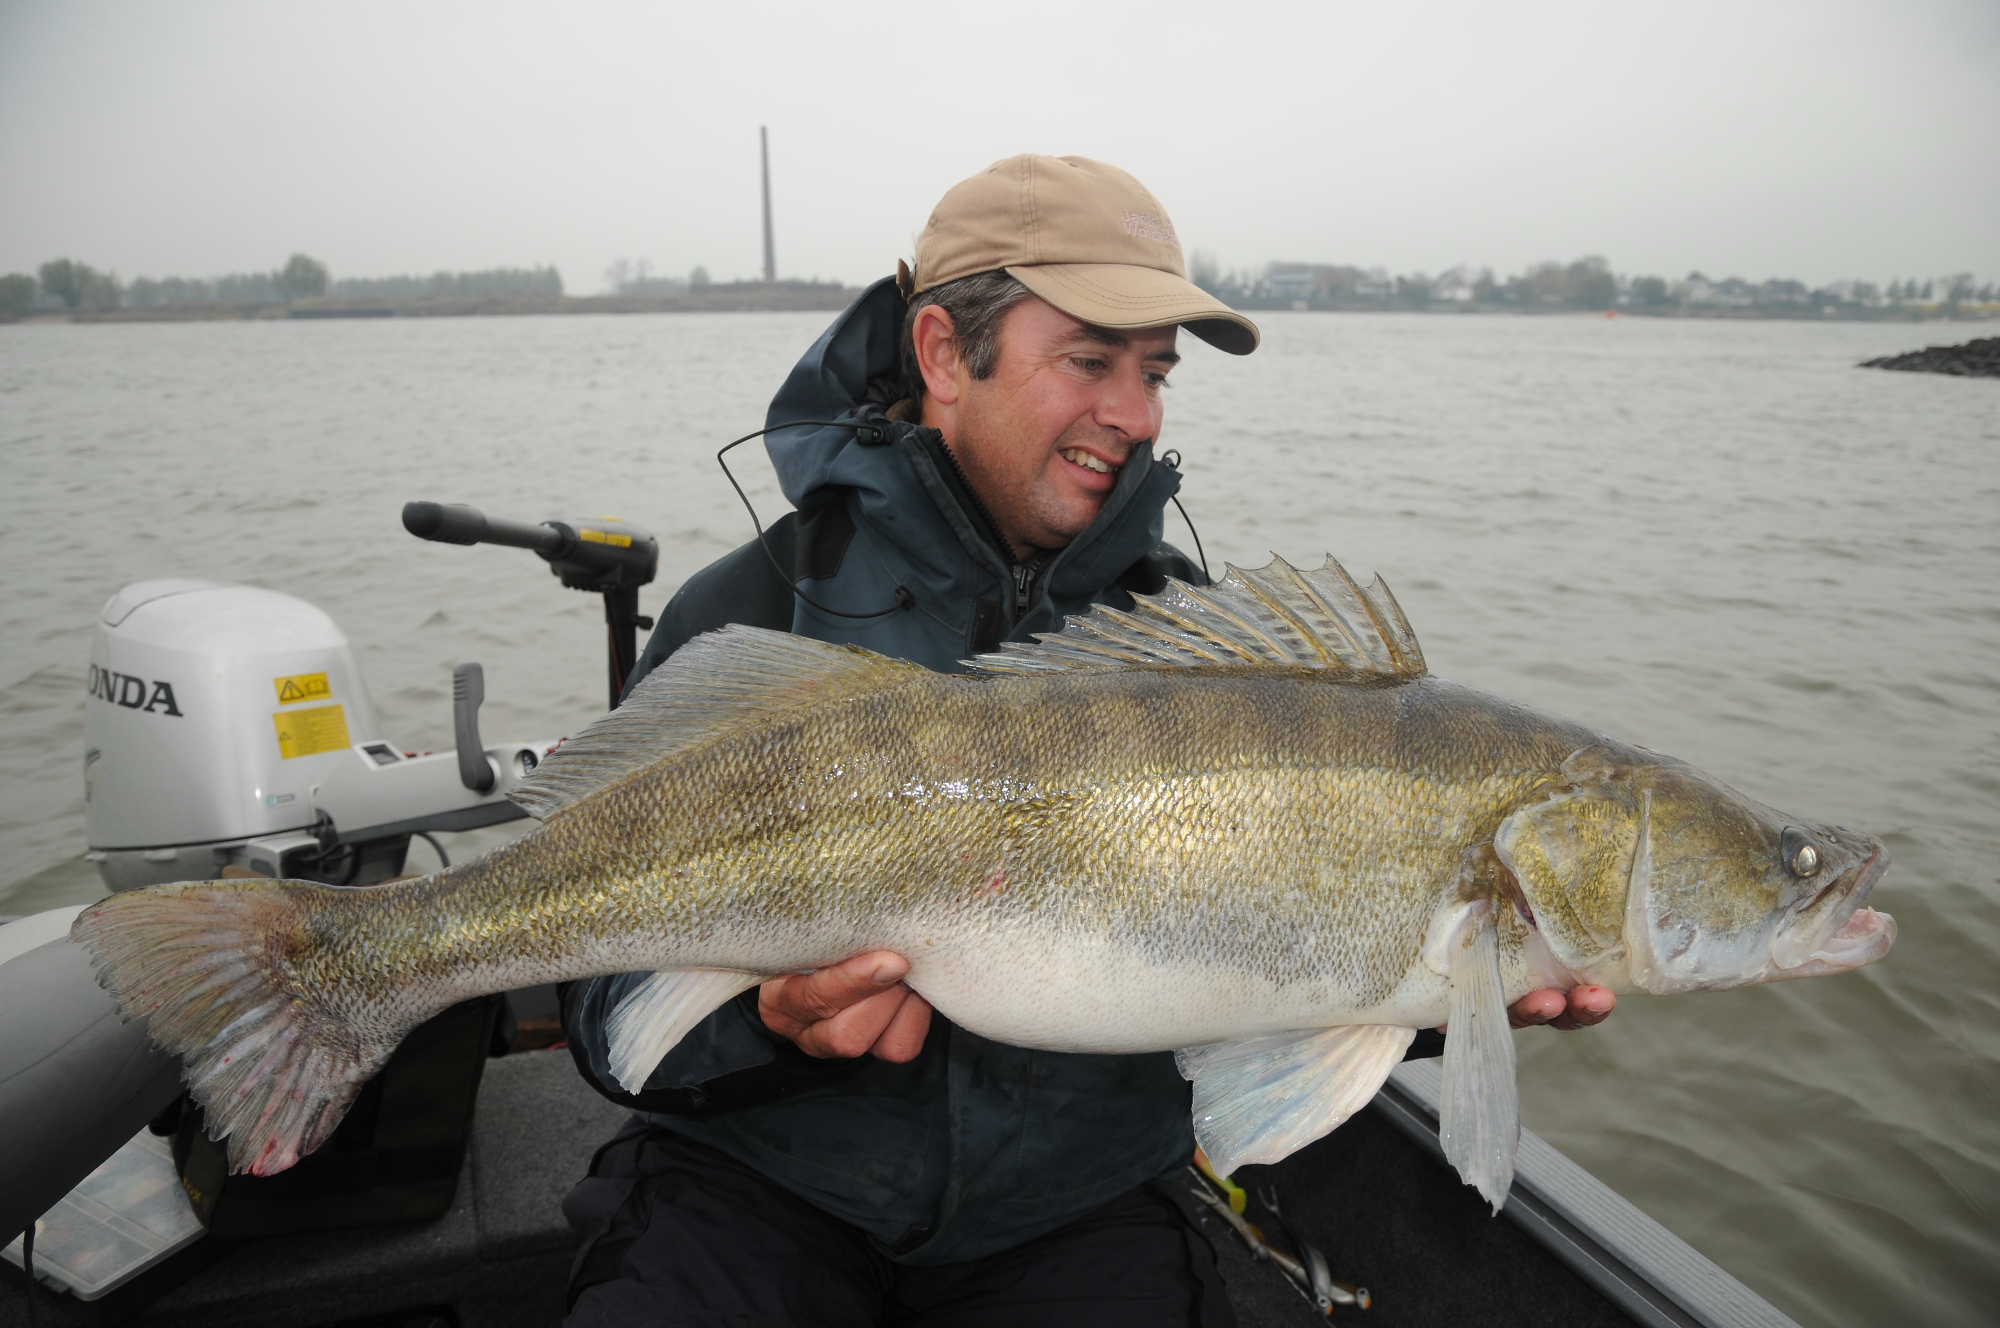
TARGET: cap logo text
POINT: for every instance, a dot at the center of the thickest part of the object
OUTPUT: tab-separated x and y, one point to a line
1148	226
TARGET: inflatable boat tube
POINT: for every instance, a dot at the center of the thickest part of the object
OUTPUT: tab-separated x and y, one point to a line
76	1081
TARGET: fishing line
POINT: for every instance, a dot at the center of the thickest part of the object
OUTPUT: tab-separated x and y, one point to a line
864	433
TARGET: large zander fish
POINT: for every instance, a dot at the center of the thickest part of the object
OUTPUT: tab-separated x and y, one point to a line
1242	822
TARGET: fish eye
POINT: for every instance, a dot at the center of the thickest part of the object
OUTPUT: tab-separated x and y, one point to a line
1800	854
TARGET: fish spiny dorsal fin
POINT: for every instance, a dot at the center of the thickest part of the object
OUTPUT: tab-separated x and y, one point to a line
1274	614
719	682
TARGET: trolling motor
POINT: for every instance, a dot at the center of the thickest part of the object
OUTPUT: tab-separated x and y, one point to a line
602	555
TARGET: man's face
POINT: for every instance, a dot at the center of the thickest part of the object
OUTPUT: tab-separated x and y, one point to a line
1042	440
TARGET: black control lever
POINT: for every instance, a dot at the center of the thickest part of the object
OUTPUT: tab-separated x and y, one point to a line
468	693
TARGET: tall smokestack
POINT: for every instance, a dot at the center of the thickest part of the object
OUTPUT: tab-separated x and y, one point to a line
770	254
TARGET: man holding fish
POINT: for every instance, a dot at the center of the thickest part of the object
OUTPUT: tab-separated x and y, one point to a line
823	1148
1241	822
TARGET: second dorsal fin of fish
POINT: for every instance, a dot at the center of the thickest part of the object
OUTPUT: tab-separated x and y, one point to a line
1274	615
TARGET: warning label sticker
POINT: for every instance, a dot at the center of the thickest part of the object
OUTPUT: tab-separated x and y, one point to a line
309	732
302	687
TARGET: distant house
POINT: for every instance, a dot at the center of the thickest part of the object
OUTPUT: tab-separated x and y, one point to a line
1698	292
1775	294
1452	287
1290	281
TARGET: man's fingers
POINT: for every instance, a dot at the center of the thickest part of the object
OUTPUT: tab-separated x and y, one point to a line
904	1038
790	1005
1587	1006
849	1009
1537	1007
1580	1007
854	1030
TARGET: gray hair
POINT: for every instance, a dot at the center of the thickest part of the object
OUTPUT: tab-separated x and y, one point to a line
976	304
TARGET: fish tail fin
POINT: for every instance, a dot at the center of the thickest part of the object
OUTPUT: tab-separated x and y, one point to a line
210	967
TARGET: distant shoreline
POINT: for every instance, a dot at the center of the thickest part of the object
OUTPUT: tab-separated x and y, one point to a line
805	298
814	298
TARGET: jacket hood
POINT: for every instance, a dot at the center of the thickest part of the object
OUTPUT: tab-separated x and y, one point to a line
831	382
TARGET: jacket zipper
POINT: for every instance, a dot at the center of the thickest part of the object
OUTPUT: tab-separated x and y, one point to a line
1023	574
1024	588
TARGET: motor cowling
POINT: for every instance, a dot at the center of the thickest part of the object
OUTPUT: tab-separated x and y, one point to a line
212	712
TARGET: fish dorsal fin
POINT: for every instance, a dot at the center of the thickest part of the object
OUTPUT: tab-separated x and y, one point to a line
716	683
1274	614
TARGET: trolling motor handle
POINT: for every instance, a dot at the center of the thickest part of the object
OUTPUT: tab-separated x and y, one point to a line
460	523
602	555
595	554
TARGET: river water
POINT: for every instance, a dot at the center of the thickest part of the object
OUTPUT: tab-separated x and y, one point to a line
1717	539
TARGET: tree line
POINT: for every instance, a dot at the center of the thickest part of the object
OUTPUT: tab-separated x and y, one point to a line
1586	283
628	276
64	283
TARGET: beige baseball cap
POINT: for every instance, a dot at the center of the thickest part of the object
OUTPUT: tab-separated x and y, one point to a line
1084	236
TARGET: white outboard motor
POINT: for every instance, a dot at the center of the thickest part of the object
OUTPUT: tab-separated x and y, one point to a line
228	725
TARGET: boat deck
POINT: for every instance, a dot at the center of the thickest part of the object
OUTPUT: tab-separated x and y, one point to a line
1373	1196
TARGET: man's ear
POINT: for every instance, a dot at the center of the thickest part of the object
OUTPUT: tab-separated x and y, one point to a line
934	339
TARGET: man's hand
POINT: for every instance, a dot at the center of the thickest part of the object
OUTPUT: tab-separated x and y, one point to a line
1580	1007
857	1007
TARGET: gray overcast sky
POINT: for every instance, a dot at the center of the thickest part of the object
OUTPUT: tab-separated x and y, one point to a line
1811	138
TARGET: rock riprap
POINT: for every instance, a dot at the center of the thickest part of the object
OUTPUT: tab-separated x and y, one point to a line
1975	359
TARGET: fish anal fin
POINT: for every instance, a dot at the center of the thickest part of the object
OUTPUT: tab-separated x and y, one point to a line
716	683
658	1013
1271	615
1262	1099
1479	1112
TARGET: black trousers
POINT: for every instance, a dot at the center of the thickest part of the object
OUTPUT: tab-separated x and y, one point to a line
684	1235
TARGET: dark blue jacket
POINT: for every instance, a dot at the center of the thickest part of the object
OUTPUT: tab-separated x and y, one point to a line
974	1146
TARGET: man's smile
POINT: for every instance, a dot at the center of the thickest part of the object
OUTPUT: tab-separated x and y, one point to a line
1089	461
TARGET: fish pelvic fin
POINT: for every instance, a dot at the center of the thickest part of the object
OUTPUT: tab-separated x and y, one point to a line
720	682
203	965
1479	1115
651	1021
1273	614
1262	1099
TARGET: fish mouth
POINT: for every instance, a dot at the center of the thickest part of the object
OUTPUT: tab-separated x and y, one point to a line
1850	935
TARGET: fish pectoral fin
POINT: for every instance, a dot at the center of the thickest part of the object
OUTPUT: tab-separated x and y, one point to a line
1480	1112
1264	1098
651	1021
